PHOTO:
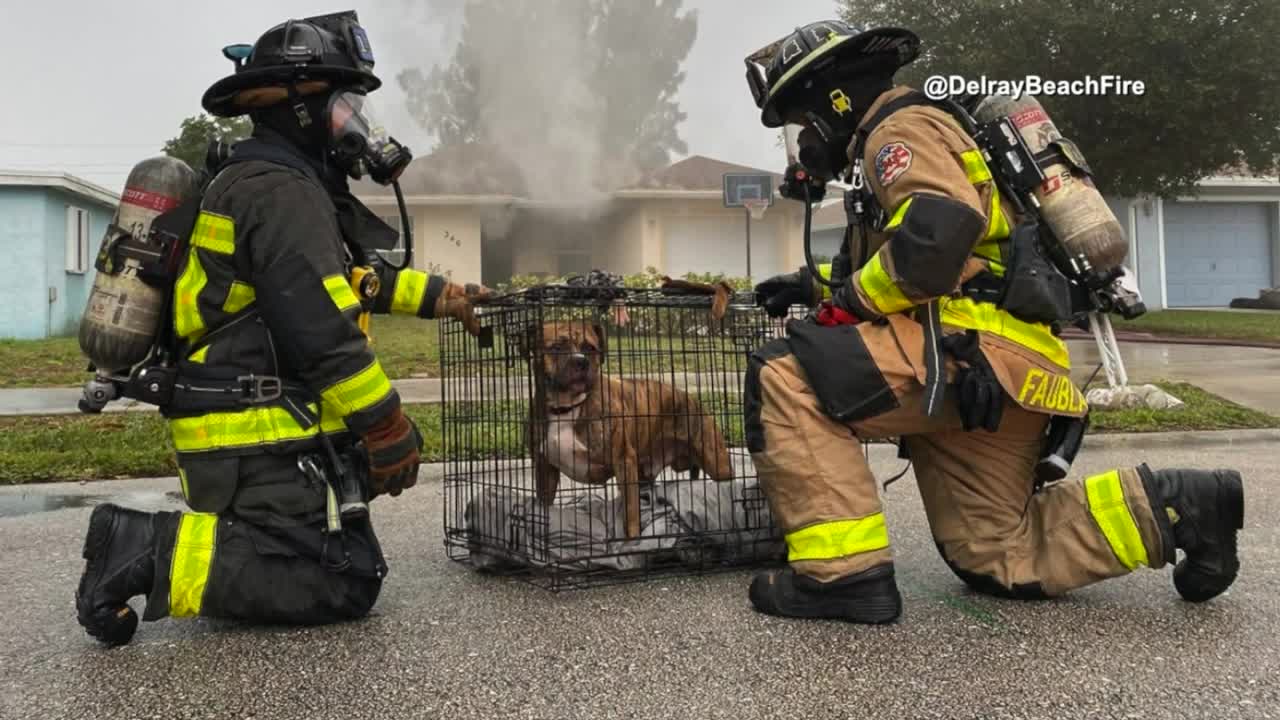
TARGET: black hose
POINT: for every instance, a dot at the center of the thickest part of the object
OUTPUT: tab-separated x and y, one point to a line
808	249
406	232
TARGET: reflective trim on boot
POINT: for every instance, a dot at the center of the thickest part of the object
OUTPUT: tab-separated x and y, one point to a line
869	597
838	538
1111	512
192	558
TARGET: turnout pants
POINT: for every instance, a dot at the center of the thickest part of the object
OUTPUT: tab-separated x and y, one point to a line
977	486
261	558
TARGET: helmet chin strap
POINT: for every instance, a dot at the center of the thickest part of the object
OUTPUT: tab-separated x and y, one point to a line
299	107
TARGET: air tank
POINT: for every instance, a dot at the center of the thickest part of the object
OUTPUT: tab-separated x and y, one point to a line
123	313
1070	202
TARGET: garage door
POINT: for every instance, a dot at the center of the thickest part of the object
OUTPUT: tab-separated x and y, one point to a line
1215	252
719	245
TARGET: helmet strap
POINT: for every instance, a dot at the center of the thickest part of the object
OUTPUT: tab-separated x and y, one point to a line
299	108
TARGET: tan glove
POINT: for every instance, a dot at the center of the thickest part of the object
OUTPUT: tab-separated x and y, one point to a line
459	301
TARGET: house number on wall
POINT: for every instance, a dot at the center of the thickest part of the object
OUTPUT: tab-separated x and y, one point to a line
451	238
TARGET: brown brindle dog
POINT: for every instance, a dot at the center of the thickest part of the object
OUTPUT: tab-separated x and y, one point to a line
594	427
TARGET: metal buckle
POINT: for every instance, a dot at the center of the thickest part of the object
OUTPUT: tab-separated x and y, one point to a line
261	388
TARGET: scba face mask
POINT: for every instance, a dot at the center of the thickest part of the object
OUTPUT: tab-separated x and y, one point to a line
359	142
815	148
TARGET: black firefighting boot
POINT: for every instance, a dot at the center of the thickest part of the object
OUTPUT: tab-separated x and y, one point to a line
1199	512
869	597
119	548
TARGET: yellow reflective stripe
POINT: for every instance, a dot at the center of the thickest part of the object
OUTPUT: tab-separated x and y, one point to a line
898	214
997	223
832	41
187	322
200	355
192	558
340	290
965	313
214	232
1107	505
357	392
239	295
824	270
975	168
839	538
245	428
881	289
182	478
411	285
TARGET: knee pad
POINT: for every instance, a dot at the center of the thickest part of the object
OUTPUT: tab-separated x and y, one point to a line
988	584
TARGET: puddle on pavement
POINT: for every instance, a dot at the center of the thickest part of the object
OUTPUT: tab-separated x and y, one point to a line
32	503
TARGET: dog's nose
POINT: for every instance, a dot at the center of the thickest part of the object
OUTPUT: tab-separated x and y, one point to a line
579	361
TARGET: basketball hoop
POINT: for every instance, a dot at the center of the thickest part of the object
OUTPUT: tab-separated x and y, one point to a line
756	206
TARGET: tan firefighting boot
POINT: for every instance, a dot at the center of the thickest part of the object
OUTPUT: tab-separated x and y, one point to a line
869	597
119	548
1199	512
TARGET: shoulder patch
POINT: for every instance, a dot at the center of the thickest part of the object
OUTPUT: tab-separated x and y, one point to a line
891	162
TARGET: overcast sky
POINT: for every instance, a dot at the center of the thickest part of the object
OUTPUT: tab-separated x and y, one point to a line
93	87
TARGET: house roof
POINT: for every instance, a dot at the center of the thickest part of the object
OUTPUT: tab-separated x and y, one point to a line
454	171
697	172
62	181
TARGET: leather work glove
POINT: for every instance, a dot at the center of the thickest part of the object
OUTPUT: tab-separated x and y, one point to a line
981	397
778	293
393	448
459	301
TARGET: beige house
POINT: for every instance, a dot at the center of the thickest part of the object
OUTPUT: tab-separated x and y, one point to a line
674	220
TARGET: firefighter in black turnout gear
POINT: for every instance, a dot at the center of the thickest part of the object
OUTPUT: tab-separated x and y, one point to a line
284	422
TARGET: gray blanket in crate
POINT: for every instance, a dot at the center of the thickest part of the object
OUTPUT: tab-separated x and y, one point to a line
695	523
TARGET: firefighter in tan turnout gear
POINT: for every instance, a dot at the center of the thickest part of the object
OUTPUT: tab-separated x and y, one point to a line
910	345
284	421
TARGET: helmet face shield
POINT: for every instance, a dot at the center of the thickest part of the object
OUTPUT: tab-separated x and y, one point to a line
361	143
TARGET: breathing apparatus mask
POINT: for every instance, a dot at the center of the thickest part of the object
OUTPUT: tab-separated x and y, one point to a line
359	143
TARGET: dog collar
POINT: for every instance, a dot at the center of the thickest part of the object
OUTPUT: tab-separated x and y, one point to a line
566	409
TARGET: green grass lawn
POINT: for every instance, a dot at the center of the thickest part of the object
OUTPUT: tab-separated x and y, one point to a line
135	444
42	363
1206	324
406	346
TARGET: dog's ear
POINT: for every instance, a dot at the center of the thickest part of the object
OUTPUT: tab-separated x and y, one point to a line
598	329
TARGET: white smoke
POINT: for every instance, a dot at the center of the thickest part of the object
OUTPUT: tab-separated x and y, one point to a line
534	92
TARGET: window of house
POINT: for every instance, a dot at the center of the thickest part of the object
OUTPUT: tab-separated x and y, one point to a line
396	257
77	240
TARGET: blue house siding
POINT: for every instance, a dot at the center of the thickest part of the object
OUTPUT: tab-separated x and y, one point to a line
40	298
70	291
22	242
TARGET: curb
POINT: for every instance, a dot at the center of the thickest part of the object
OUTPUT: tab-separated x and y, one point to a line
1149	339
1195	438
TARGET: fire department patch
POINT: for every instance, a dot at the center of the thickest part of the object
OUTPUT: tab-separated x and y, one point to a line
892	160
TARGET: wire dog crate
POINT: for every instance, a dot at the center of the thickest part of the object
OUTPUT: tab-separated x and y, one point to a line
595	436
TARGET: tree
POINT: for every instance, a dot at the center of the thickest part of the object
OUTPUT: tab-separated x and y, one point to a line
198	131
577	95
1211	83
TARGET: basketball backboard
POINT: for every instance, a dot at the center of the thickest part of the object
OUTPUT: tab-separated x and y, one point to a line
741	187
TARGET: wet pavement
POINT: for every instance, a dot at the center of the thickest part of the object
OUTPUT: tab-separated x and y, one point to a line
1246	375
446	642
